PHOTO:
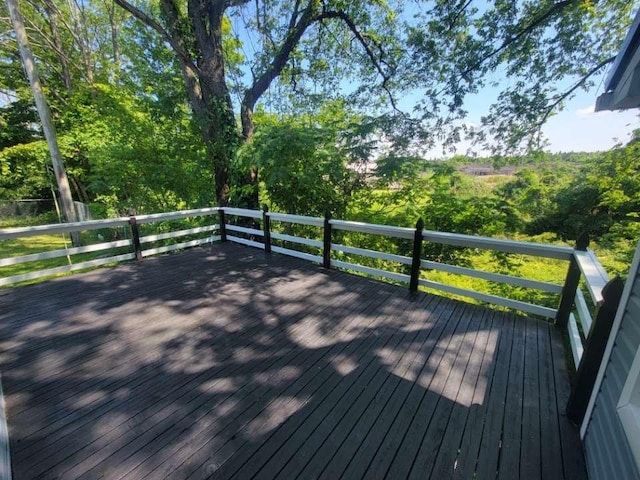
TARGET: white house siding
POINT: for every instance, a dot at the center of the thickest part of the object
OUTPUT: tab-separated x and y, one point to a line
607	451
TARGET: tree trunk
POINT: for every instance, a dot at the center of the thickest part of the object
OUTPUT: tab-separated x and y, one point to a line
115	43
206	85
45	115
250	181
57	42
197	40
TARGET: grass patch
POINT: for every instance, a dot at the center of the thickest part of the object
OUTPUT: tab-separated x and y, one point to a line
44	243
42	219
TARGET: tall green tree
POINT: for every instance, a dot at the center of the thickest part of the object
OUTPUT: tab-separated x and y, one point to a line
309	163
444	51
44	113
125	131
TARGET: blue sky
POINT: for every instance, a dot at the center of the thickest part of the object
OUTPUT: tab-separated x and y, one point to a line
576	128
579	128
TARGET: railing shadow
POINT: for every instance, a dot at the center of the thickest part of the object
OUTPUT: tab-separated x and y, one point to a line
211	361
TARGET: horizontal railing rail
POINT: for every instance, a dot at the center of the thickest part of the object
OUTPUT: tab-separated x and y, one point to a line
593	274
131	224
20	232
573	312
500	245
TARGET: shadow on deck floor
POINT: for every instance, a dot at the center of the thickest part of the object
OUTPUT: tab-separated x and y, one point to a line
226	362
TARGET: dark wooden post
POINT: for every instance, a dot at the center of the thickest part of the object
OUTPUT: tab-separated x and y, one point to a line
326	244
416	256
223	225
593	353
266	228
570	285
135	234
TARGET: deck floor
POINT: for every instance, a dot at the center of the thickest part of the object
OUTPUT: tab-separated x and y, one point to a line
225	362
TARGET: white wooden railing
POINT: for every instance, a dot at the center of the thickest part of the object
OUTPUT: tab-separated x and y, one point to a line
257	232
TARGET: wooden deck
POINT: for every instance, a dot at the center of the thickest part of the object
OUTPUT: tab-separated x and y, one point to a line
226	362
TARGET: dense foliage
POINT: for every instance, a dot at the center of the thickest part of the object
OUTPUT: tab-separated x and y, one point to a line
188	77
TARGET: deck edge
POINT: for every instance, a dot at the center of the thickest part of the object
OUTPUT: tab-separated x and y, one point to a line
5	455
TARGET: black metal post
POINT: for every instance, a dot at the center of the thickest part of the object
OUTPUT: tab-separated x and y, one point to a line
593	354
416	256
135	235
266	228
570	287
326	248
223	225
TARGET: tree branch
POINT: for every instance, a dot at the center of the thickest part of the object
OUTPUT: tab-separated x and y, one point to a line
308	17
281	58
150	22
235	3
557	7
458	14
294	15
263	30
360	37
560	98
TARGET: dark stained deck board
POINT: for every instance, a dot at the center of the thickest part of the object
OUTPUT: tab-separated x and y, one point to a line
371	428
573	462
445	462
489	453
169	418
433	438
252	457
253	327
309	460
386	452
530	460
272	454
482	397
164	419
302	444
549	425
409	449
512	426
143	393
207	431
225	362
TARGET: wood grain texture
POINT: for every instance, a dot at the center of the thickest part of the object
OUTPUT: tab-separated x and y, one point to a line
226	362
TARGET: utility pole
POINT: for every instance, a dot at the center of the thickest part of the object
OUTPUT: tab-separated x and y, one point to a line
30	67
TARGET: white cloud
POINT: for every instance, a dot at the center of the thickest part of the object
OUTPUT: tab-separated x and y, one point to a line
586	111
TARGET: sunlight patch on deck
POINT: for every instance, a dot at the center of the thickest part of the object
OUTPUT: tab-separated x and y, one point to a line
343	364
274	415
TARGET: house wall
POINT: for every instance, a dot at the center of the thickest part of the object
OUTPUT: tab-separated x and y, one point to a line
607	452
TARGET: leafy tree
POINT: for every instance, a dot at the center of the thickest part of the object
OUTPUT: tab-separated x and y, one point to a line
574	193
24	173
17	124
117	154
120	108
307	162
445	50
